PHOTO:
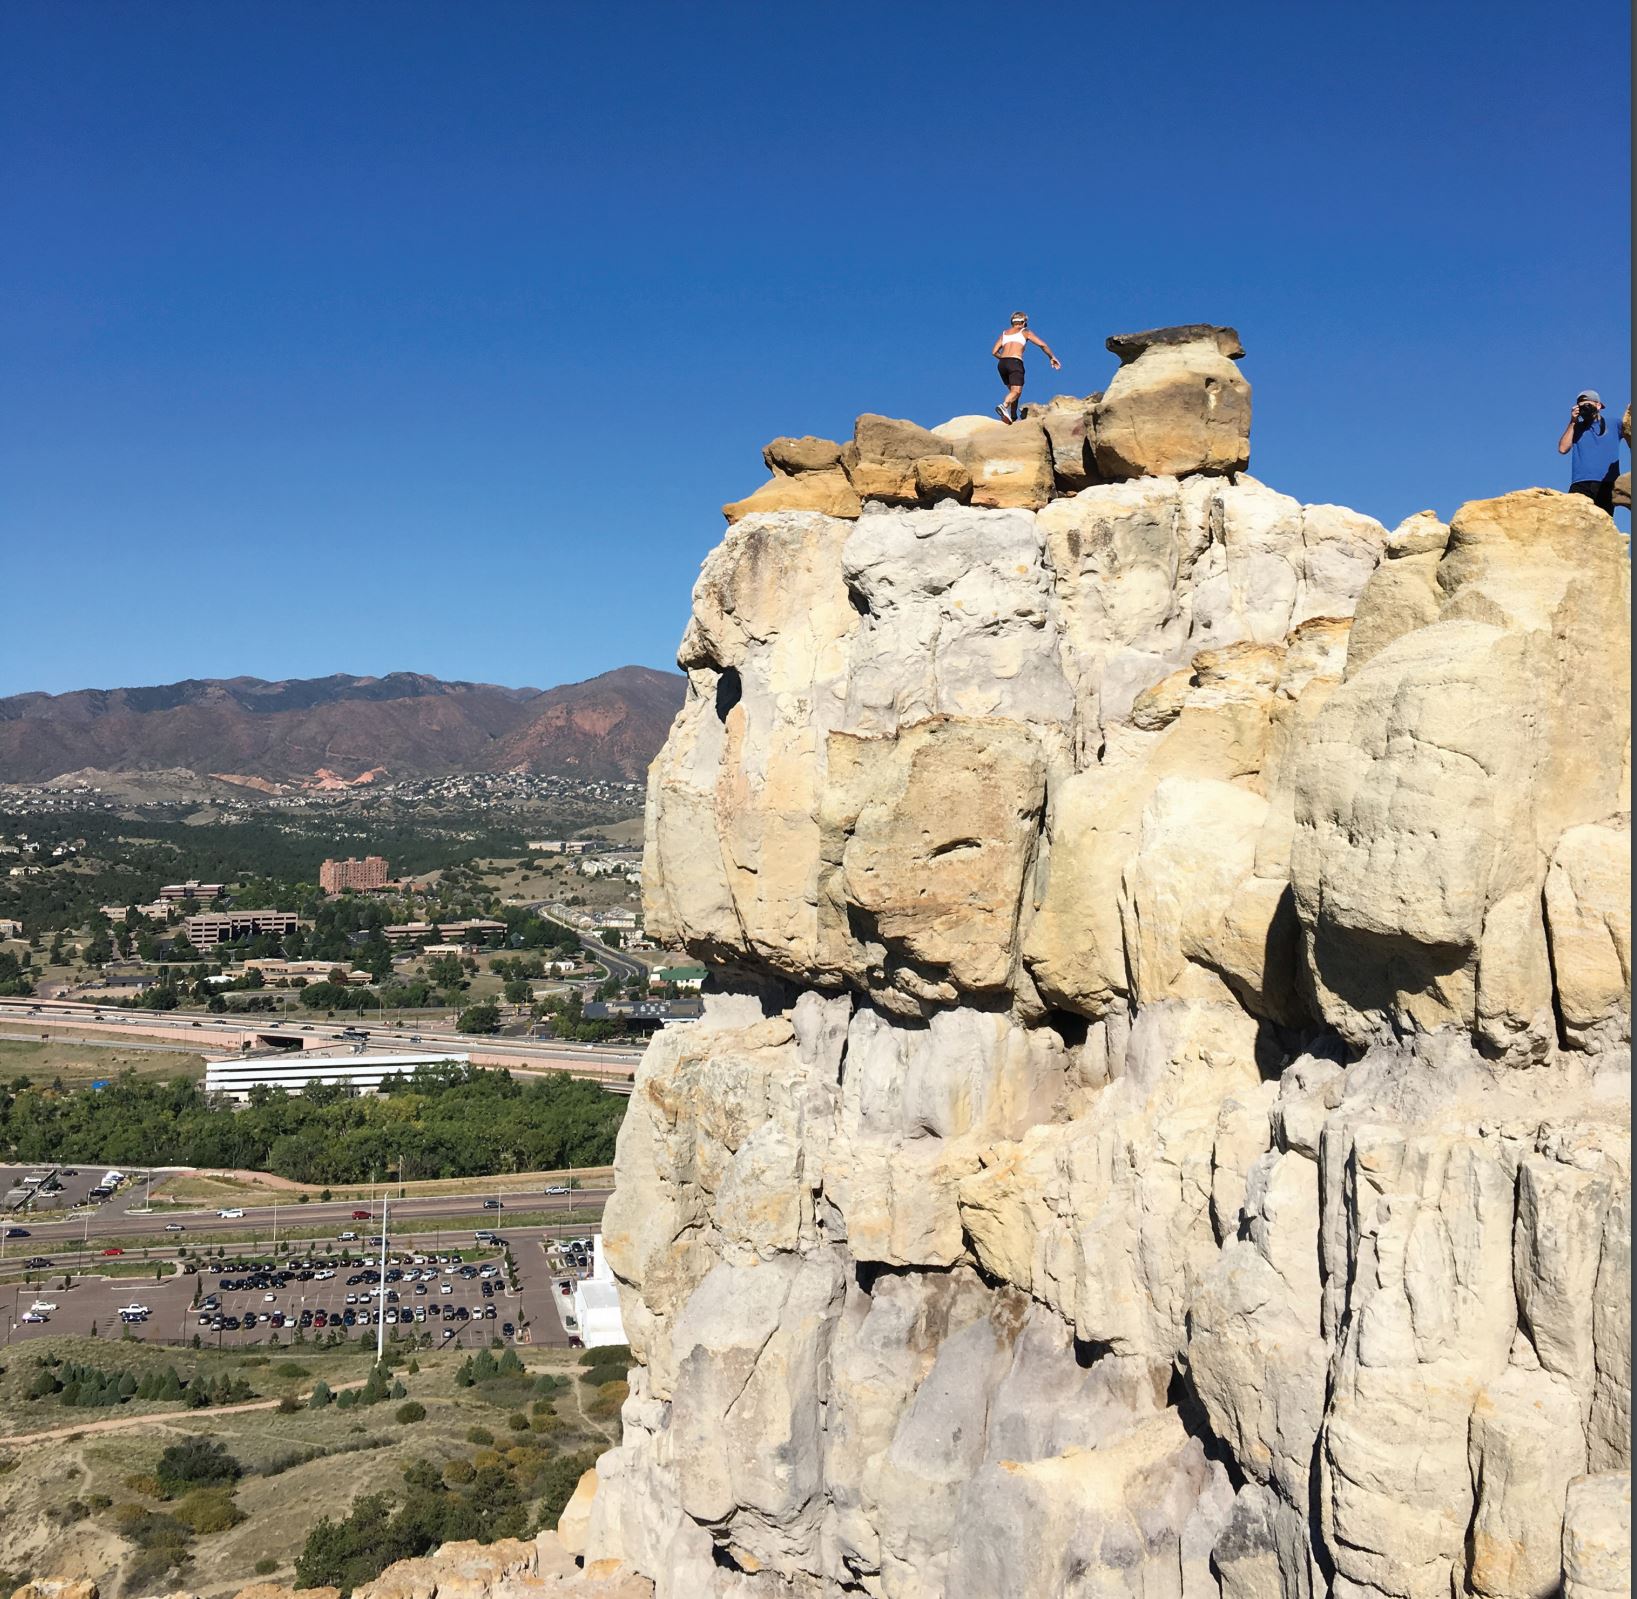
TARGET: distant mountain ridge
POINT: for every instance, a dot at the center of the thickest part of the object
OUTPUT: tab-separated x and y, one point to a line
405	724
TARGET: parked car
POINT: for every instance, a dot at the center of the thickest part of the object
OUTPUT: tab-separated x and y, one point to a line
34	1318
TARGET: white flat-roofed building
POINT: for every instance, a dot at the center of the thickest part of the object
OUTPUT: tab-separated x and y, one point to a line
294	1071
597	1303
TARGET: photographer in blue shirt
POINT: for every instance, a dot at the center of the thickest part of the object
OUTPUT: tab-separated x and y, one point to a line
1593	448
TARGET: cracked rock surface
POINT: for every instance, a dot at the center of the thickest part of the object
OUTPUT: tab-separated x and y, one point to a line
1160	1120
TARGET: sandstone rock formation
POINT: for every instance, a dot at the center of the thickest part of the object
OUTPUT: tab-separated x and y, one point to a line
1159	1124
1178	406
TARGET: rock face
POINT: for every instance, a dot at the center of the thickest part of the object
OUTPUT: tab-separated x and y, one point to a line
1159	1124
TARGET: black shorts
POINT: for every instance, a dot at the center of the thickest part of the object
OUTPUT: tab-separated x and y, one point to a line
1011	371
1600	491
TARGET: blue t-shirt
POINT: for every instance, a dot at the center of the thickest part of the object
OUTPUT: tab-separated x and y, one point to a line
1595	450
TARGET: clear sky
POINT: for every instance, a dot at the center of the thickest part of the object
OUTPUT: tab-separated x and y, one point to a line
388	335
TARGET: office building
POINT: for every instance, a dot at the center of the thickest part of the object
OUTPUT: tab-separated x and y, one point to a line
227	927
192	891
334	877
479	930
293	1071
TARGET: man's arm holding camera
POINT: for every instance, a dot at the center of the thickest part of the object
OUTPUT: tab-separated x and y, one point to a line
1566	443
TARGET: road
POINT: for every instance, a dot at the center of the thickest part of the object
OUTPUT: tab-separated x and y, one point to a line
117	1221
226	1036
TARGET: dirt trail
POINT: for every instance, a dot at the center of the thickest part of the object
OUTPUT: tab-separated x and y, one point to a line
159	1418
578	1389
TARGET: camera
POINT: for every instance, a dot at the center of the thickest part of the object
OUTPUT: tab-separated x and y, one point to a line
1586	411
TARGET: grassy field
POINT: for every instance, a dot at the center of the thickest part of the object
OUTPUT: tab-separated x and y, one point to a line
238	1187
79	1064
65	1503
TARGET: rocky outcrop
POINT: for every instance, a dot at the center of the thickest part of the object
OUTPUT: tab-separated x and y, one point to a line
1177	406
1160	1119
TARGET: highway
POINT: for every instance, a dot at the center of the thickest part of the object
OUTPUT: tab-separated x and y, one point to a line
117	1220
227	1035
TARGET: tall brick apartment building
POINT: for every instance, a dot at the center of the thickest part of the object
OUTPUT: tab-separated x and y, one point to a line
371	872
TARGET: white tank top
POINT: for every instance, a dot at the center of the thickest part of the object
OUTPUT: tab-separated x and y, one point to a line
1013	337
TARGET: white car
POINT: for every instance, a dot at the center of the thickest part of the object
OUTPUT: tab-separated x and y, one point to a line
558	1188
133	1310
174	1227
268	1299
232	1213
447	1288
43	1305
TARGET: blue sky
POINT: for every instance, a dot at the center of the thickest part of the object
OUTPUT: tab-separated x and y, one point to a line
390	335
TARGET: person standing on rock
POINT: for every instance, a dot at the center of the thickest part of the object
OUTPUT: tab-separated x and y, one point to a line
1008	352
1593	448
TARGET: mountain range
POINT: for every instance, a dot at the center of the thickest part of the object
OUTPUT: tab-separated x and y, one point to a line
338	730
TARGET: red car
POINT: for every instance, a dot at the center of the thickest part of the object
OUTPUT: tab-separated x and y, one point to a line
113	1251
360	1215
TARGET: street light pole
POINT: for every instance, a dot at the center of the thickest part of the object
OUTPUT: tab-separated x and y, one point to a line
381	1305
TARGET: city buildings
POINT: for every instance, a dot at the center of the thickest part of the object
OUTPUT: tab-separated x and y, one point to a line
224	927
192	889
597	1303
334	877
479	930
280	971
690	977
294	1071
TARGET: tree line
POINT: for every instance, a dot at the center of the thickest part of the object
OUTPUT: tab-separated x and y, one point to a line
447	1120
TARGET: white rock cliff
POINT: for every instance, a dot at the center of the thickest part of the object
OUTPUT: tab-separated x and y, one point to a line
1160	1122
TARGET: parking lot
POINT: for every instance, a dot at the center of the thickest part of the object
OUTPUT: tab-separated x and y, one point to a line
48	1190
448	1297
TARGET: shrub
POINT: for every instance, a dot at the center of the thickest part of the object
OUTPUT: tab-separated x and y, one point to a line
208	1510
458	1472
288	1405
196	1463
559	1480
265	1567
479	1435
608	1401
290	1368
517	1421
320	1396
413	1411
607	1355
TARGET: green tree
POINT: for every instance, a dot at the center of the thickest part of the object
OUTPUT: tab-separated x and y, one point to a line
480	1018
